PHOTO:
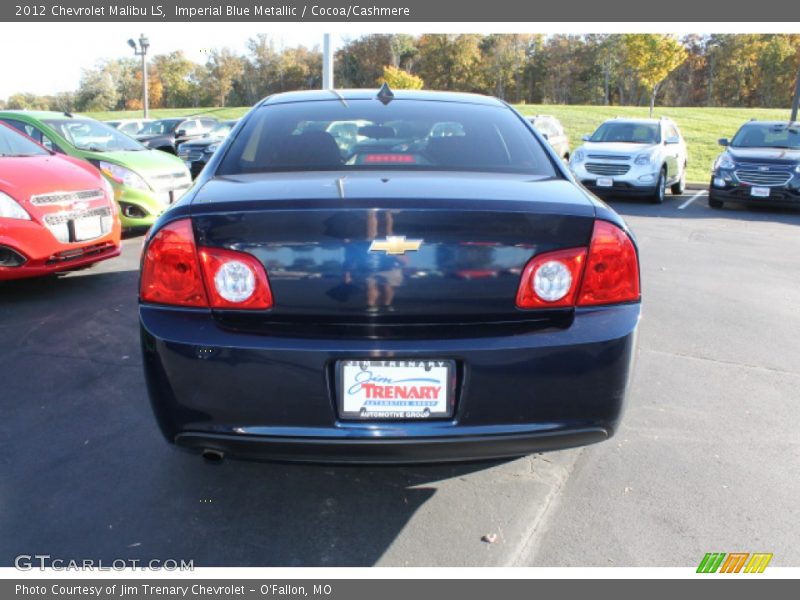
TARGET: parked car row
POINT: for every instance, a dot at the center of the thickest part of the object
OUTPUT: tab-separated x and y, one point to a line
644	157
145	165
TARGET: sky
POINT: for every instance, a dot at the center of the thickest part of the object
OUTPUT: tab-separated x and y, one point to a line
34	62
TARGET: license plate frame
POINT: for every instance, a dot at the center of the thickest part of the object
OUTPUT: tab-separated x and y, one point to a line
605	182
87	228
443	370
759	192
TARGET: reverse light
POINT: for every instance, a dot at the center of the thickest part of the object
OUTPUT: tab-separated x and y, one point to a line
606	273
11	209
235	280
176	272
551	279
123	176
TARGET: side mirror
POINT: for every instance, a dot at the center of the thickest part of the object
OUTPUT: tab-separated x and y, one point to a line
586	137
545	136
723	142
673	140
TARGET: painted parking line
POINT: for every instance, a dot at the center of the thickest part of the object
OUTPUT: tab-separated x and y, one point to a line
692	199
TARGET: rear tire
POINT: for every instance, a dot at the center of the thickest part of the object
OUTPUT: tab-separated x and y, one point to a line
679	187
714	203
661	188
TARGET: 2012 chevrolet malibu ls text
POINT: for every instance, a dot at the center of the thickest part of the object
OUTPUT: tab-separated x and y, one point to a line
387	277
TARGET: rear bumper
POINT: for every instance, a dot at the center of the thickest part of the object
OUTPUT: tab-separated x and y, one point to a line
396	450
260	396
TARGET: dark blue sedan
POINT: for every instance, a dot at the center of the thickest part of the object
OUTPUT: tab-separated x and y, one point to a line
387	277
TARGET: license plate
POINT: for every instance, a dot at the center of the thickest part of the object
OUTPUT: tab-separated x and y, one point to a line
87	228
759	192
605	182
395	389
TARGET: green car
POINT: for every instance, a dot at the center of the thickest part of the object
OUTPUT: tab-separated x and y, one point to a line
145	181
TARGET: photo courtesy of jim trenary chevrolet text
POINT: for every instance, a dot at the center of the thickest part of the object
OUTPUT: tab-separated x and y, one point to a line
328	299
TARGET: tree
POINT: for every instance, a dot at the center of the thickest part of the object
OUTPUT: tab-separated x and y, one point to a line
450	62
652	57
98	89
175	73
399	79
225	68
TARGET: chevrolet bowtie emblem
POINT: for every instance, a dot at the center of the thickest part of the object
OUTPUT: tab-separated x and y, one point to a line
395	244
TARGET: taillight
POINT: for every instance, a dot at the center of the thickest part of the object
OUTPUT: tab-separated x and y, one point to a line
607	274
551	279
176	272
170	269
235	280
612	270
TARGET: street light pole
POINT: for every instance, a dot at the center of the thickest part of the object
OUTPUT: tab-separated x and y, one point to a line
144	44
327	62
796	101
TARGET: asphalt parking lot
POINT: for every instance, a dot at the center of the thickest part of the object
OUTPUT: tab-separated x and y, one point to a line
707	459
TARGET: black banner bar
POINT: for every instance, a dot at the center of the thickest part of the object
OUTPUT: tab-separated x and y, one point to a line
732	588
408	11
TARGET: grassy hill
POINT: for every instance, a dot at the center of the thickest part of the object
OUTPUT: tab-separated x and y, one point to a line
701	127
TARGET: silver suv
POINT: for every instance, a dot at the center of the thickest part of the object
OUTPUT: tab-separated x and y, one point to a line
552	130
633	156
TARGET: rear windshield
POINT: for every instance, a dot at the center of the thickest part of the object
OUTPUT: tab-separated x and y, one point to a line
632	133
767	136
16	144
365	134
160	127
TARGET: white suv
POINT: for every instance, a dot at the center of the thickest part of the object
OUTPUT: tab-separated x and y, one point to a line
633	156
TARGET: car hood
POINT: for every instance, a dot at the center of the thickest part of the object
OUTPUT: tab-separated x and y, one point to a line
144	162
768	154
26	176
202	142
616	148
550	194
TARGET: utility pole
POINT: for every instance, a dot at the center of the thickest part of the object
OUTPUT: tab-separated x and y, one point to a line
144	44
327	62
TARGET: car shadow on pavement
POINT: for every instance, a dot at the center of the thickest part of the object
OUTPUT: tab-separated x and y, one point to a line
699	209
87	475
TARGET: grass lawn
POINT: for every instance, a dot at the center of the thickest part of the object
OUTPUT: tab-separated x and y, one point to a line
701	127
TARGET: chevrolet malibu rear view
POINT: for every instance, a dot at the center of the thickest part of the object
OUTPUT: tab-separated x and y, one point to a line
433	287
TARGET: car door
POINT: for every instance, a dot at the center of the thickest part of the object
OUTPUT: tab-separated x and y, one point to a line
672	150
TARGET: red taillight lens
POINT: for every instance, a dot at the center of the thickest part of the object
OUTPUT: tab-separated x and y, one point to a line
607	274
170	269
175	272
612	269
235	280
392	158
551	280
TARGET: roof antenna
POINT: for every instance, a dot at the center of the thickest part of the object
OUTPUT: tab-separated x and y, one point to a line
385	94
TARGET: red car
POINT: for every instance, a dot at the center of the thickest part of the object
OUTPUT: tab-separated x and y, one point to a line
57	213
